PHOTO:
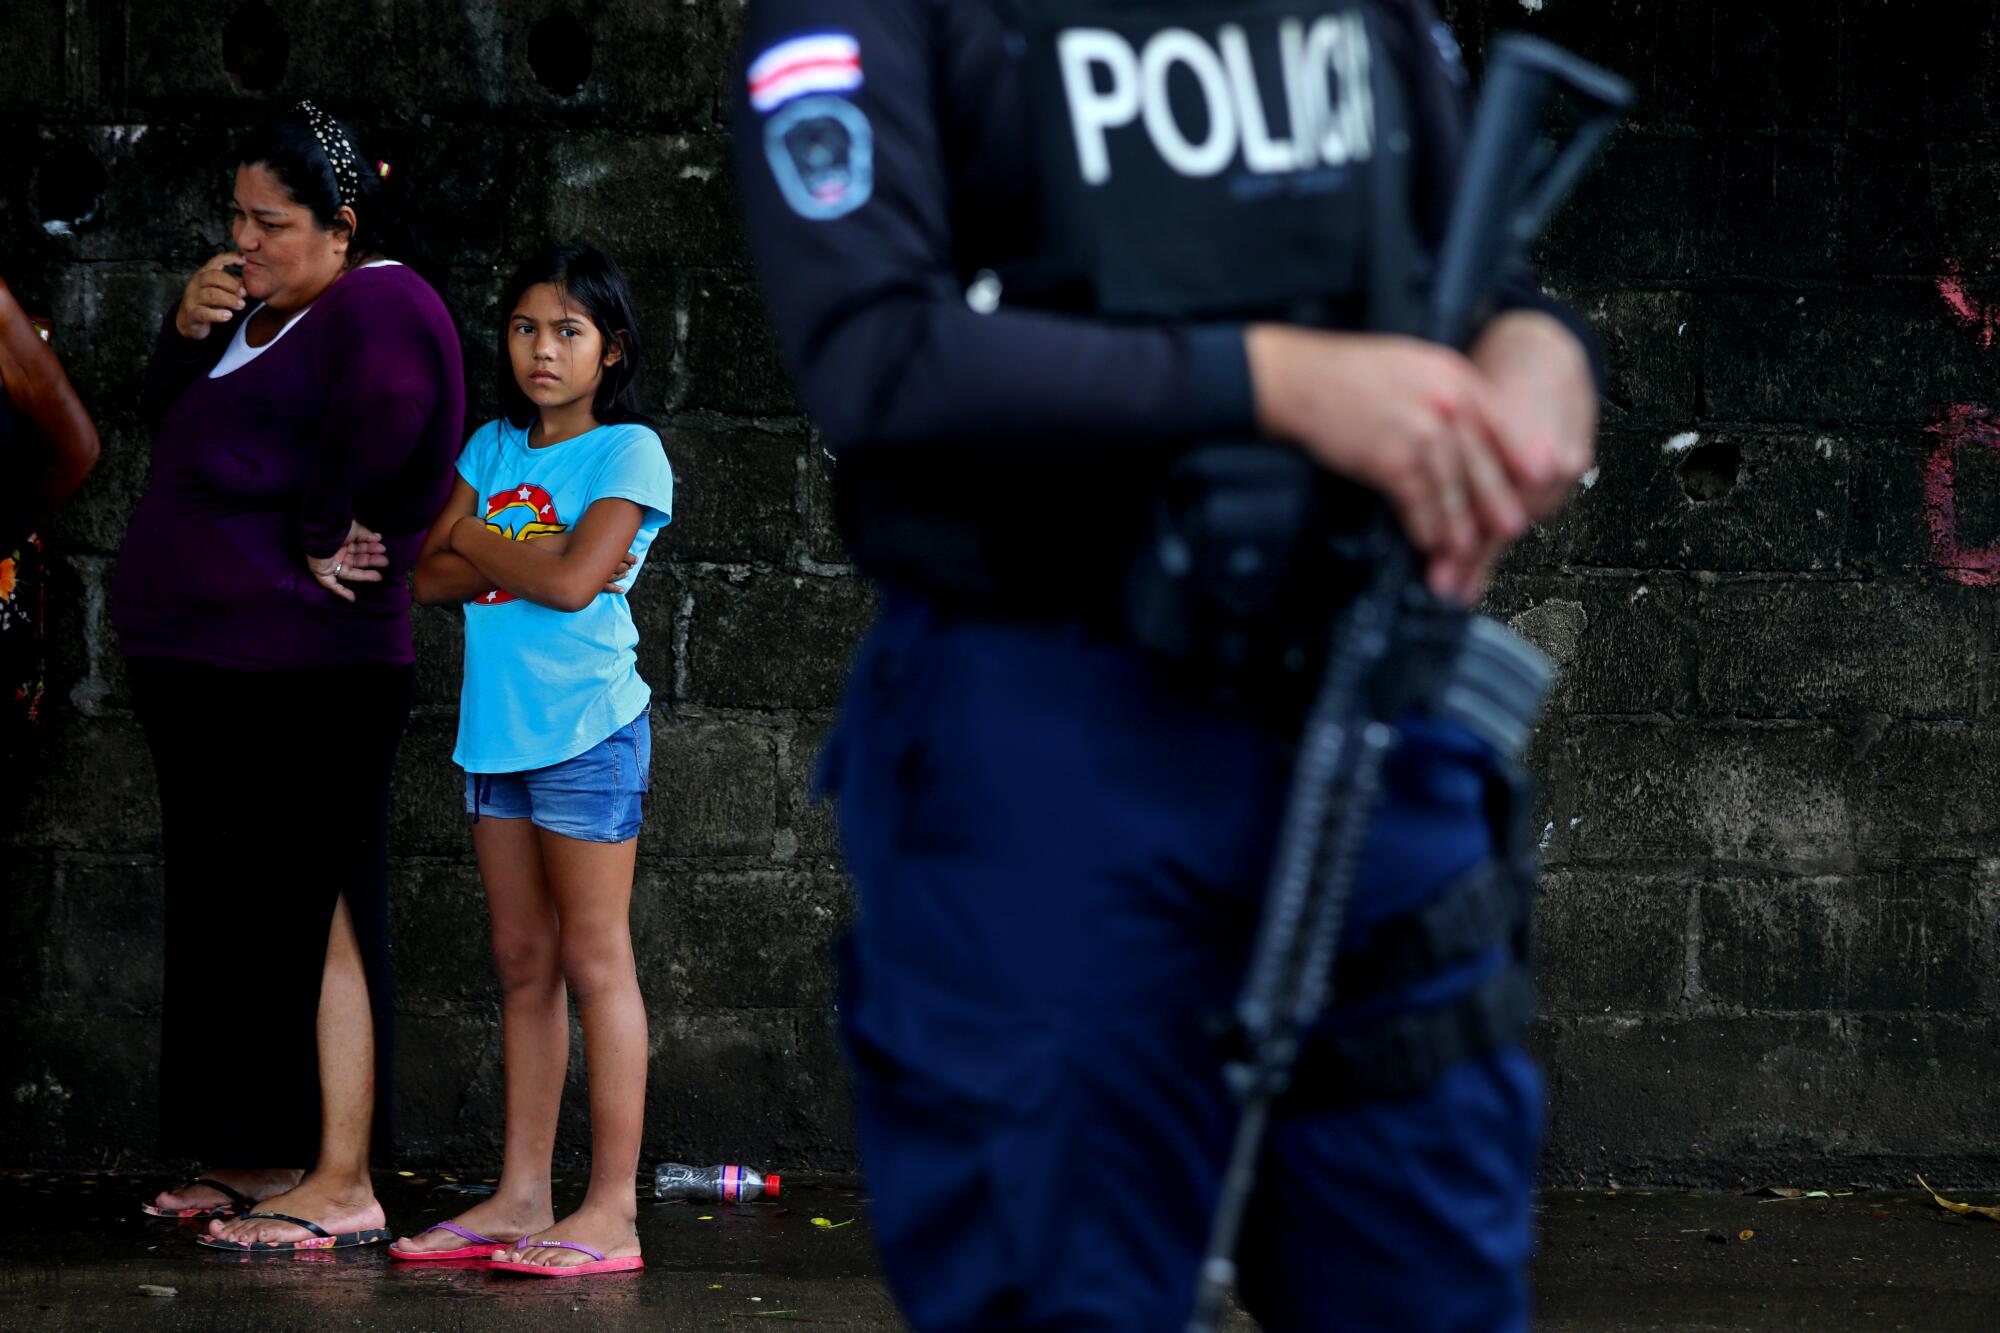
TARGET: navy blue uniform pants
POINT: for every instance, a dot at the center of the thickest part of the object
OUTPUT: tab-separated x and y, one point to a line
1060	859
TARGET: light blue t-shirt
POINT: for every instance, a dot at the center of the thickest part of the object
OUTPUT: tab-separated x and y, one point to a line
542	686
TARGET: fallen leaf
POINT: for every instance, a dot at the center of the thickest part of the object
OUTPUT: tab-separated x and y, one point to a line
406	1174
715	1286
1961	1208
827	1224
1745	1234
706	1217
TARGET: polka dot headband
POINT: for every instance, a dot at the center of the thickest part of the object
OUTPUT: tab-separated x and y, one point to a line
339	151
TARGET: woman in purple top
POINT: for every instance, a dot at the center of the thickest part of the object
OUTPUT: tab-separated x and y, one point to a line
313	400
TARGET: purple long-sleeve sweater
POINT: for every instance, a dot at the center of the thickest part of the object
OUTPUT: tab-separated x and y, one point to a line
357	412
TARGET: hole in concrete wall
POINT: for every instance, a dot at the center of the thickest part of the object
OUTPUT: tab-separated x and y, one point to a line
69	189
1709	471
255	48
559	53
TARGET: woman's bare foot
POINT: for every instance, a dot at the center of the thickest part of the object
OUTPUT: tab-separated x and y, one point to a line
259	1185
501	1219
611	1232
340	1204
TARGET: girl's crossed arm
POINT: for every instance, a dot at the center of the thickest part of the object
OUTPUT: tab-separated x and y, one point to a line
463	558
442	577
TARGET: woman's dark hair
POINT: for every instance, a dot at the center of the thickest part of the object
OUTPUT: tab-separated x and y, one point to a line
592	279
295	148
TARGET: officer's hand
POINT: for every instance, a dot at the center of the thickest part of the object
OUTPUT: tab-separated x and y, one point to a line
1547	405
1413	420
213	296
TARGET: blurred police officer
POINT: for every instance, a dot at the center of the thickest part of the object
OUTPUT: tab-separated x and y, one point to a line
1021	256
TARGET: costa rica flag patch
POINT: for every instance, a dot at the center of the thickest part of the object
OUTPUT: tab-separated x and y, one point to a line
819	62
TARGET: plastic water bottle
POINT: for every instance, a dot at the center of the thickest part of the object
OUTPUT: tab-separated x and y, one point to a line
729	1183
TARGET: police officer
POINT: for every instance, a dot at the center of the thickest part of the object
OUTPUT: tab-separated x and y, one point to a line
1021	256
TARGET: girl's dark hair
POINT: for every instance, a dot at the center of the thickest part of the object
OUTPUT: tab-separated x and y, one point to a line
592	279
385	219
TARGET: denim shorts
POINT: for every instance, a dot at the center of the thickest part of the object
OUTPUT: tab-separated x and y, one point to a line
594	797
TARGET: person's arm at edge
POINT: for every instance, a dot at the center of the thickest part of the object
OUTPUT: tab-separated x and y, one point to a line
39	389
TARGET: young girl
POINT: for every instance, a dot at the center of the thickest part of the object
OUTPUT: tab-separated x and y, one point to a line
555	504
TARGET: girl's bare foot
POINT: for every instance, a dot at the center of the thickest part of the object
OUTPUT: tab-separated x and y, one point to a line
611	1232
339	1204
258	1184
501	1219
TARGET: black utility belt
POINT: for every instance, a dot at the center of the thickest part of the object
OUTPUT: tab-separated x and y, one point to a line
1232	567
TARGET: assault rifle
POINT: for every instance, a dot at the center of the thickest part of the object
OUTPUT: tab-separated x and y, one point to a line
1512	181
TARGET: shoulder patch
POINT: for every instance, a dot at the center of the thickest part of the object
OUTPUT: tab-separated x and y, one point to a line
822	154
820	62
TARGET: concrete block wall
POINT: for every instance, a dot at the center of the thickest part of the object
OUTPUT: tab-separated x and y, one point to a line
1768	921
1768	927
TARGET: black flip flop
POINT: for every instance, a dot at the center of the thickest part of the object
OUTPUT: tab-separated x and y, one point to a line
321	1238
239	1202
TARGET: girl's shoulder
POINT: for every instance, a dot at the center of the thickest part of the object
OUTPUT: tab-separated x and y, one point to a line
491	438
632	463
632	435
627	444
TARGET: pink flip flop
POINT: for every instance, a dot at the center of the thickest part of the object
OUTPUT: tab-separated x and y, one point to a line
598	1265
481	1247
320	1239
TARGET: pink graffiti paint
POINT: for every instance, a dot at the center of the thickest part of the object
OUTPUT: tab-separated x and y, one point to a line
1965	426
1969	311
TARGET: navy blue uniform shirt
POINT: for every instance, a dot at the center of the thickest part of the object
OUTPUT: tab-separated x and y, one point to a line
886	154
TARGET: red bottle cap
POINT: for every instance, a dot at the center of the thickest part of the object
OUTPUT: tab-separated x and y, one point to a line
771	1186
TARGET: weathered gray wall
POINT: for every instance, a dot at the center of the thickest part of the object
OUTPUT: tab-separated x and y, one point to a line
1769	919
1768	925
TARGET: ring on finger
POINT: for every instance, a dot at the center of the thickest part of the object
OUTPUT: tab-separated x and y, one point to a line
337	567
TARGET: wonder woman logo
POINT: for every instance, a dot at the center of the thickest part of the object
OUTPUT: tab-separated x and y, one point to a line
520	515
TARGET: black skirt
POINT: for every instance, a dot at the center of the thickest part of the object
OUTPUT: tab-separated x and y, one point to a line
274	801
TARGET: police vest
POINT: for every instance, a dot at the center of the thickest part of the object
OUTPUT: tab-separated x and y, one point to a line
1199	160
1207	160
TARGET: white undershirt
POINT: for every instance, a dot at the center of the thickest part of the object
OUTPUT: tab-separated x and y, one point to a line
240	353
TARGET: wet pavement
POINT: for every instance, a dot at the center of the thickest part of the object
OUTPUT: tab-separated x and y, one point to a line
1871	1260
75	1252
